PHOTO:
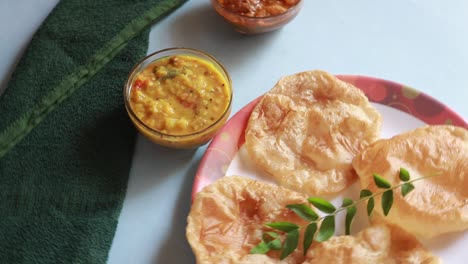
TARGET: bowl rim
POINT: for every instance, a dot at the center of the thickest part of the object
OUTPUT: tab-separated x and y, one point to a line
128	87
292	9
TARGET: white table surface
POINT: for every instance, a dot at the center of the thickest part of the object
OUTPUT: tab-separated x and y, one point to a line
420	43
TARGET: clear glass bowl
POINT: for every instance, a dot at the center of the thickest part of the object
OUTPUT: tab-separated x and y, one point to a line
192	140
256	25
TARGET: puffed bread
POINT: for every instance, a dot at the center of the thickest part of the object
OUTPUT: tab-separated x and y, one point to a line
438	204
379	243
306	131
227	220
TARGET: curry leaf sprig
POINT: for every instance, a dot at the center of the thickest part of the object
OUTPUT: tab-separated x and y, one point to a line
272	240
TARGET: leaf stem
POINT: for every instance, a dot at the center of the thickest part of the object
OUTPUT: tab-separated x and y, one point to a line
372	196
327	227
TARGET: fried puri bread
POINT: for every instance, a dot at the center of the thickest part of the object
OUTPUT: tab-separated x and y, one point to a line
307	129
438	204
379	243
227	220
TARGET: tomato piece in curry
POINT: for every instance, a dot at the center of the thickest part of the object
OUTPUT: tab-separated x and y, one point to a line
180	95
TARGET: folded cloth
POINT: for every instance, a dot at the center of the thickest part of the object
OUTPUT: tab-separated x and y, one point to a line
65	140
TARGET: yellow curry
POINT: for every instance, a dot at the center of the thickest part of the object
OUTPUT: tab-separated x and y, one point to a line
180	95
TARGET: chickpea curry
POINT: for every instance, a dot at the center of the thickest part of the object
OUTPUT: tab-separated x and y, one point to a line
180	95
258	8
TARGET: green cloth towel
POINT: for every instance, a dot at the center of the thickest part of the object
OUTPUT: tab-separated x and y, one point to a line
65	139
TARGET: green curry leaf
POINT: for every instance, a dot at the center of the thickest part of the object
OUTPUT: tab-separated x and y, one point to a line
327	228
290	244
370	206
404	175
350	213
406	188
365	193
261	248
322	204
304	211
309	236
283	226
370	203
387	201
381	182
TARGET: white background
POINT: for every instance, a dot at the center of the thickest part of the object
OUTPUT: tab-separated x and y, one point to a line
421	43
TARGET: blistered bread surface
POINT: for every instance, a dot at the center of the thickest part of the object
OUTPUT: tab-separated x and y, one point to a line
227	220
306	131
378	243
438	204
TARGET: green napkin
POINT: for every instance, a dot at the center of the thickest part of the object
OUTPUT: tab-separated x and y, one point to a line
65	140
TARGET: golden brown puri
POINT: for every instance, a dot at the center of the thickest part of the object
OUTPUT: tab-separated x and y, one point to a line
227	220
379	243
438	204
307	129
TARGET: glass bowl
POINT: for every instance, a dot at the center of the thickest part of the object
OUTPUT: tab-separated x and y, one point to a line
256	25
144	117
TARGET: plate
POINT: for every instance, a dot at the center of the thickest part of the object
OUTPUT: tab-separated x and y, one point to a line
402	108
